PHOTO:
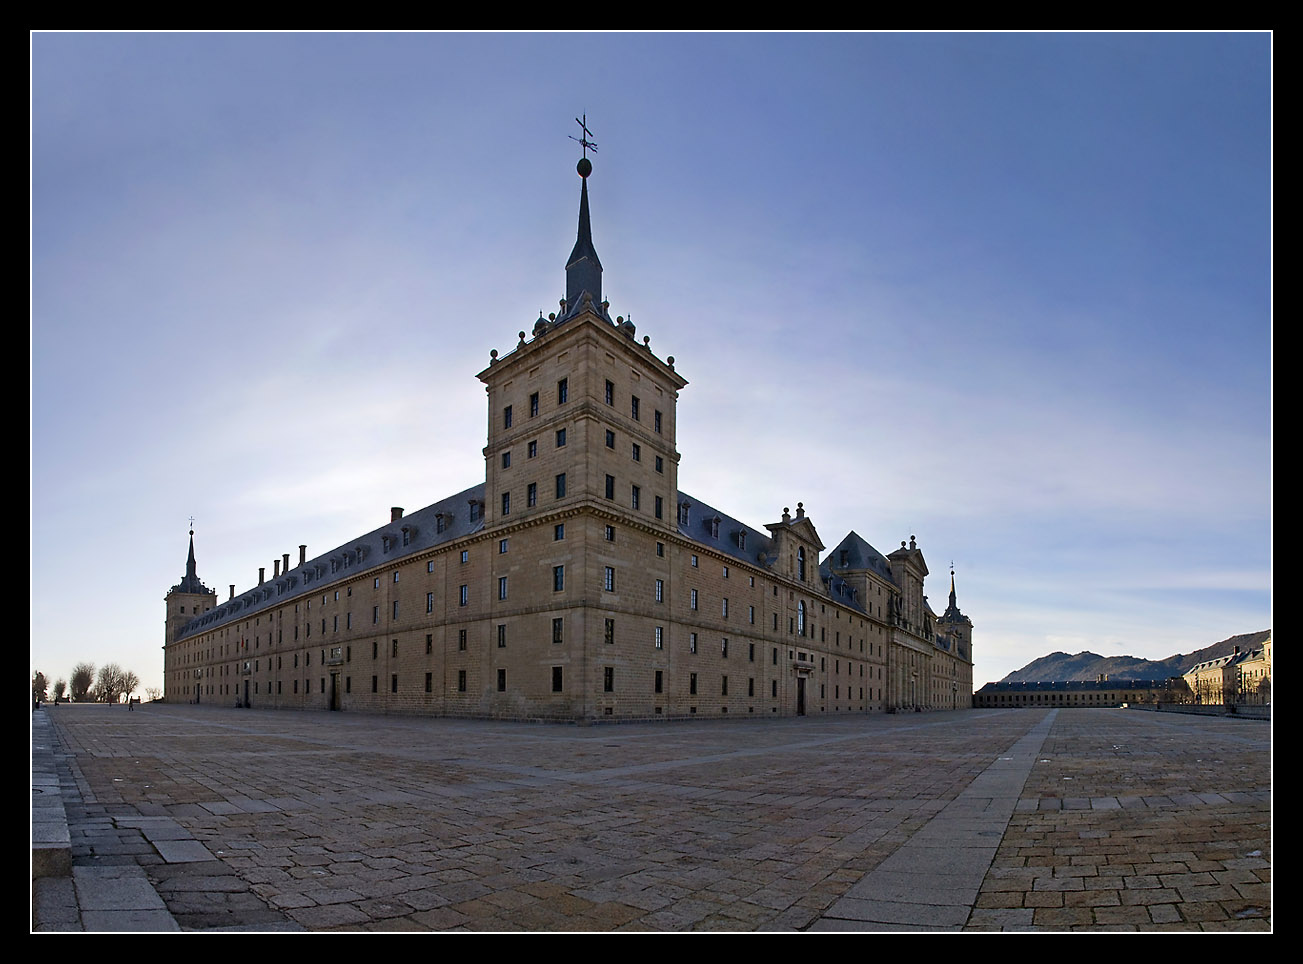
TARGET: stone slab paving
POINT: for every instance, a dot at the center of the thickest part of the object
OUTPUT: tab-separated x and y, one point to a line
264	820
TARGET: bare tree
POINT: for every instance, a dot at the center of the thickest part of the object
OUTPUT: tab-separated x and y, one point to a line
39	686
153	693
60	688
83	678
129	683
108	684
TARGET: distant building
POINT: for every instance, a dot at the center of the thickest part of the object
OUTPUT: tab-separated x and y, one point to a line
1079	693
577	581
1239	676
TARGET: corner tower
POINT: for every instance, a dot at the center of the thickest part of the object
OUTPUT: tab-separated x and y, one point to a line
187	599
579	410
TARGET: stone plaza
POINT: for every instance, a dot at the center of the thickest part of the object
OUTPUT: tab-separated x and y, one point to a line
199	818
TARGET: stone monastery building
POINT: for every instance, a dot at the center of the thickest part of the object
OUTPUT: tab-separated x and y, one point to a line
577	582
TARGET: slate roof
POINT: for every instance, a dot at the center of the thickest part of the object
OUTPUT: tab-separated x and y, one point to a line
363	552
861	555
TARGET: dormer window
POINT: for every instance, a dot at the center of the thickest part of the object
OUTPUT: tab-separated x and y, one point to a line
440	522
407	536
683	513
844	559
475	511
714	528
742	539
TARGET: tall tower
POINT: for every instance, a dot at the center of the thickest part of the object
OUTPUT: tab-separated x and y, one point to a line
186	600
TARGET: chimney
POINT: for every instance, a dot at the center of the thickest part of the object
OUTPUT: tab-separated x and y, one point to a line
262	574
275	568
303	554
285	566
232	590
395	513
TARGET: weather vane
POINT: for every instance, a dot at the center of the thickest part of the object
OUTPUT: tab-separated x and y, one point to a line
583	139
192	522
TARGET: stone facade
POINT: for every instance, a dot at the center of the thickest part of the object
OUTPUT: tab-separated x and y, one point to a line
1081	693
578	582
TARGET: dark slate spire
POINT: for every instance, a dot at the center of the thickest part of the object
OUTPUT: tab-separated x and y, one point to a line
191	583
952	613
583	270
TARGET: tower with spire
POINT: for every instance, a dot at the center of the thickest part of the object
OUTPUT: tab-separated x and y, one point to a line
187	599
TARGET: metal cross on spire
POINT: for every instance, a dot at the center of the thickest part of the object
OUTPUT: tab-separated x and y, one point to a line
583	139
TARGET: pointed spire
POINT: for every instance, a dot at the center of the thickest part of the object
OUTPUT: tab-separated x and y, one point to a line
190	560
583	269
952	590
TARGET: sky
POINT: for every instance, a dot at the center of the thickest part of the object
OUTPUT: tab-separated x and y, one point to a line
1007	293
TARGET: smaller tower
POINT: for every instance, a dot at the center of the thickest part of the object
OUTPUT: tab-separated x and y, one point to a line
186	600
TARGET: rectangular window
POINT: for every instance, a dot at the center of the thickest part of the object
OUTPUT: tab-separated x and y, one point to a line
660	548
561	486
692	684
429	644
502	681
694	562
506	417
610	533
558	626
610	439
725	608
533	405
502	550
610	486
502	587
660	682
610	392
461	640
395	649
692	604
660	590
375	684
506	503
393	683
633	407
461	681
429	602
558	532
395	609
723	649
556	679
635	496
558	578
609	636
660	637
531	495
462	594
692	642
637	452
660	464
660	507
429	682
502	636
608	679
658	421
375	615
531	450
751	615
465	555
773	687
560	438
562	391
723	686
506	460
608	582
751	652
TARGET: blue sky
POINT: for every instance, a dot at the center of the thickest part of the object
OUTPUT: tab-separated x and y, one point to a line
1008	293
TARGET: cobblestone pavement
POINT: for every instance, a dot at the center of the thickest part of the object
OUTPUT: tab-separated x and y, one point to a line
263	820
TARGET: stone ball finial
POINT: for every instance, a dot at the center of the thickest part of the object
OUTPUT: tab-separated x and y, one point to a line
520	335
584	167
493	353
670	361
646	341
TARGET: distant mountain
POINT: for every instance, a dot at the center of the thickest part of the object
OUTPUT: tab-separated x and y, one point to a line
1061	667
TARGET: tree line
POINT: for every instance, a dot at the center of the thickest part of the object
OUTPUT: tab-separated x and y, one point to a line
110	684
